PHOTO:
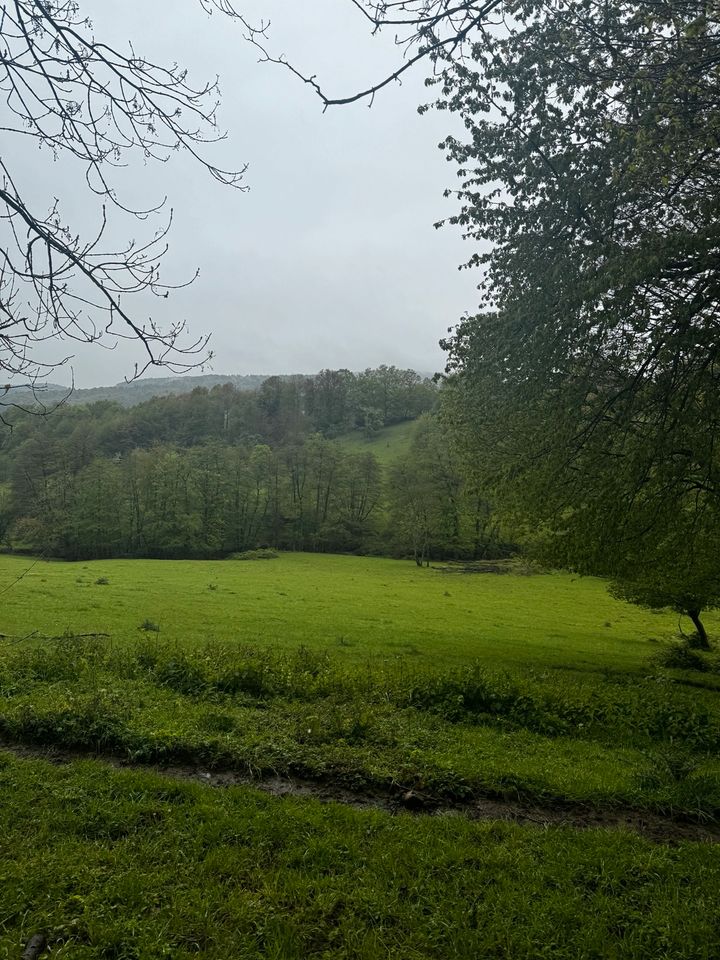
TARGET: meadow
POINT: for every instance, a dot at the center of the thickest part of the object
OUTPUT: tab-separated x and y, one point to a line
387	445
358	608
438	706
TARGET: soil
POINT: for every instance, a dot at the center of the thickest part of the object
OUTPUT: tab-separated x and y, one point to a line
658	827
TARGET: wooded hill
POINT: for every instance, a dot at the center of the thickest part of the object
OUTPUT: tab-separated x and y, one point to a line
222	470
129	393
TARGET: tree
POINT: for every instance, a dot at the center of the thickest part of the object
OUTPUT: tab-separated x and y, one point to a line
425	31
587	390
83	100
327	401
434	505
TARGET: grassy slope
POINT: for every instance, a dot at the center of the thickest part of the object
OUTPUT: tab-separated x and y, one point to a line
361	670
388	444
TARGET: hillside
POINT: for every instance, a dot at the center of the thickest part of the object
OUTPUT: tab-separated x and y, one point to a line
299	463
128	394
387	445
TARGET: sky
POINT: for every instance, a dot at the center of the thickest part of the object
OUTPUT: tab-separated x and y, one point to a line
331	258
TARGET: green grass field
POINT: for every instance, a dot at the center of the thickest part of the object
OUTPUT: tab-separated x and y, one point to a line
130	865
387	444
371	676
356	608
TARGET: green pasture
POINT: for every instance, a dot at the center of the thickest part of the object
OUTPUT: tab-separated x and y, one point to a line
367	671
371	675
388	444
133	866
358	608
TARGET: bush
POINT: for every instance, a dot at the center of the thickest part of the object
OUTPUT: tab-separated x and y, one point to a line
95	721
263	554
472	696
680	656
182	675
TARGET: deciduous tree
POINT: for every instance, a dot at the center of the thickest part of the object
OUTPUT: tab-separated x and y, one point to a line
588	389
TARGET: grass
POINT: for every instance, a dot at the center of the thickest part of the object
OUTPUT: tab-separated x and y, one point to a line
388	444
458	736
359	608
369	674
130	865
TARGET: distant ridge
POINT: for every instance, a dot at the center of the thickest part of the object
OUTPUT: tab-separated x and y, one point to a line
137	391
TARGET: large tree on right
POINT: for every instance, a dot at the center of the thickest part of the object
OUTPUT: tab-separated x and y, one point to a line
587	392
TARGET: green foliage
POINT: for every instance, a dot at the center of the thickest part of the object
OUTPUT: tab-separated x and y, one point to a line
682	657
587	390
263	554
608	711
435	510
457	734
205	501
207	473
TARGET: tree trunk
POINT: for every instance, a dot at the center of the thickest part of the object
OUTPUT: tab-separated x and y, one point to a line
703	642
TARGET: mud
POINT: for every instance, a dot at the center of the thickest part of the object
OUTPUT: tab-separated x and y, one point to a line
399	799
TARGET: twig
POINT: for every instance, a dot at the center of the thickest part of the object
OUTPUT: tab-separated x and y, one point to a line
23	574
26	637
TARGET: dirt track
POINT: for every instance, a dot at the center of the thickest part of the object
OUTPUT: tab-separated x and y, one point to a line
401	799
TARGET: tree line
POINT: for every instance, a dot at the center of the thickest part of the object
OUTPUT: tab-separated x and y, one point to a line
330	403
222	471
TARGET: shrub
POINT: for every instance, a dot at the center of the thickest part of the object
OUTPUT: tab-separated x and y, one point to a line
262	554
680	656
95	721
182	675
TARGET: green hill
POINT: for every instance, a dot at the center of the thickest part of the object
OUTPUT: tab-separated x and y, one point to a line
128	394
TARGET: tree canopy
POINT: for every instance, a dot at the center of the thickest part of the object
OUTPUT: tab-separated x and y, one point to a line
587	390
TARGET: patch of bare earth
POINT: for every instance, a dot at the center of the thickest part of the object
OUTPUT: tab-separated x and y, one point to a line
402	799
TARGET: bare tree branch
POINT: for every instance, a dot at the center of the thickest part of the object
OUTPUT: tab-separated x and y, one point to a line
81	98
435	30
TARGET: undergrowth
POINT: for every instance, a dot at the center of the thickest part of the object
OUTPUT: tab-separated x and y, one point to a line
458	733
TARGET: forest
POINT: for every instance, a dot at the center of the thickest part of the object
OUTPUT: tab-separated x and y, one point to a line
221	471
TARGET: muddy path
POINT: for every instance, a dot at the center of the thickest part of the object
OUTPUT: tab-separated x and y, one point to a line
402	799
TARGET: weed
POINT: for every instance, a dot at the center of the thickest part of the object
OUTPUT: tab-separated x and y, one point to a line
695	642
182	674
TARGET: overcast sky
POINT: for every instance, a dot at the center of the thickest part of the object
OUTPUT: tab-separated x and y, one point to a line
331	258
